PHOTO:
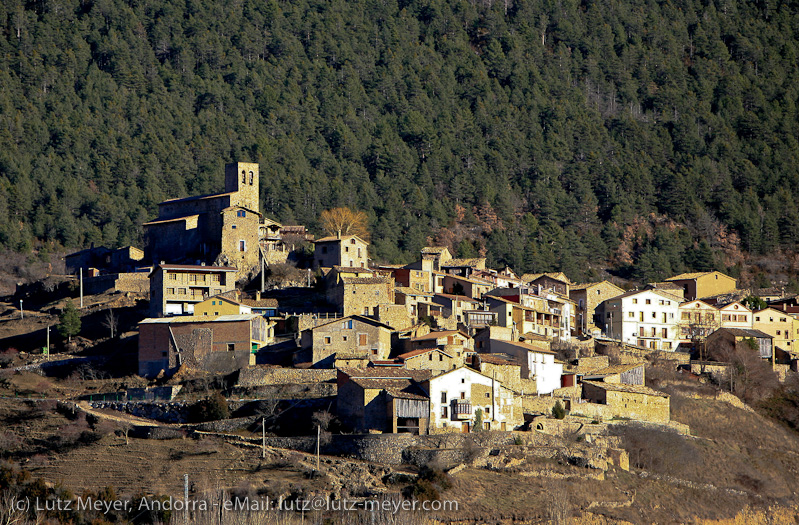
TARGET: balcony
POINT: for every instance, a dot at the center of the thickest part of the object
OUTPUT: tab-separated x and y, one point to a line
461	409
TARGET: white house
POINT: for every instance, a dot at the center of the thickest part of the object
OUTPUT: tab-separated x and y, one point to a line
647	318
537	363
455	397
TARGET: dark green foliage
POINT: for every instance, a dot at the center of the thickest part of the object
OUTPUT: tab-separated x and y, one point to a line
69	321
212	408
546	130
478	420
429	484
754	303
558	412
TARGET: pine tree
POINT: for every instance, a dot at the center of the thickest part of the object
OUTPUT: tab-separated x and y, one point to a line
69	321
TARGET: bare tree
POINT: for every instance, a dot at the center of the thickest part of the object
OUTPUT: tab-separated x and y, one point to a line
344	221
111	321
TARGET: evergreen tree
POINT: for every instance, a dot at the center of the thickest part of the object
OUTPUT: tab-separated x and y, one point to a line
69	321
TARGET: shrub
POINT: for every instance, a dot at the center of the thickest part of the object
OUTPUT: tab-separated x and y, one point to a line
558	412
212	408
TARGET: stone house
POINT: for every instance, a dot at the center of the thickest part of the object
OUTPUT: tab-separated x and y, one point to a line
780	325
505	370
587	296
176	288
456	285
730	337
434	359
418	280
455	397
222	227
626	374
383	400
266	307
609	400
441	339
359	295
536	363
352	335
454	305
410	298
434	258
539	318
348	251
647	318
220	344
704	284
121	260
698	319
463	267
556	282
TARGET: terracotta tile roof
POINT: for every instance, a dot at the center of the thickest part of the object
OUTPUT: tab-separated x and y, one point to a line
197	197
434	249
173	219
615	369
420	351
436	335
656	291
630	389
385	373
452	263
262	303
402	394
496	360
197	267
745	332
559	276
529	347
367	280
536	337
333	238
407	290
585	286
693	275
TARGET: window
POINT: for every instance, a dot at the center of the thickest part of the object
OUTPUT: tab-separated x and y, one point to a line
173	277
463	380
488	394
241	213
374	351
362	339
231	347
243	177
488	411
631	314
181	291
170	291
665	333
327	340
635	301
443	397
782	319
654	315
252	177
430	355
444	411
344	338
649	301
352	241
463	395
778	332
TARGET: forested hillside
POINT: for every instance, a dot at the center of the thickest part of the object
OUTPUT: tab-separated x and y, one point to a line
652	136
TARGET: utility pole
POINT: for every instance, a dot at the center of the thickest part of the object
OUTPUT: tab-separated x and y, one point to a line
262	271
263	437
318	435
81	287
186	497
48	342
309	277
21	311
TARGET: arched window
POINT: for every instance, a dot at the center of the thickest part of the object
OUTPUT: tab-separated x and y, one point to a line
243	177
252	177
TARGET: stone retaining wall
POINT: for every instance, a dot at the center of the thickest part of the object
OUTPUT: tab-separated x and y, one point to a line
249	377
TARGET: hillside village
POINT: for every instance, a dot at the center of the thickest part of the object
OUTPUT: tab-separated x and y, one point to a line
439	346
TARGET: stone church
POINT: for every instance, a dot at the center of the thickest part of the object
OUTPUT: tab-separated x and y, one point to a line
220	229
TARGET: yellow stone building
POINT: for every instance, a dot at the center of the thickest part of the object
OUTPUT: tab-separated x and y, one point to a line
704	284
779	325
